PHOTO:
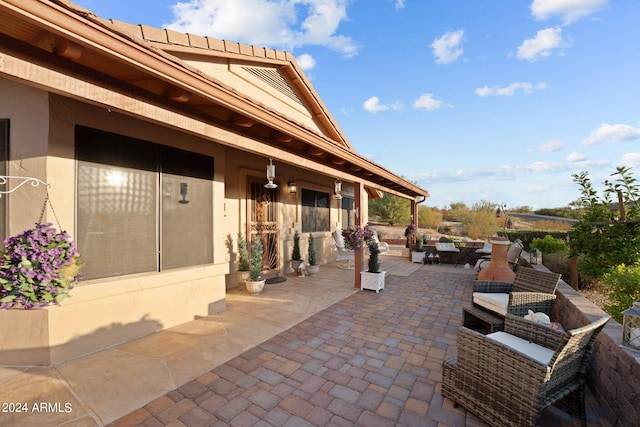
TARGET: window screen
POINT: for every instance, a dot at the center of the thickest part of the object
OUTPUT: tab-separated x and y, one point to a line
141	207
347	212
315	211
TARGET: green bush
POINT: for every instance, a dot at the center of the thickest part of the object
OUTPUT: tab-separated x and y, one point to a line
622	285
312	250
548	244
527	236
295	253
243	254
255	271
602	238
374	262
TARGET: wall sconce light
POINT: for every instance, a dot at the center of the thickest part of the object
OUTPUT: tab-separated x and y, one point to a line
337	189
271	175
183	193
293	188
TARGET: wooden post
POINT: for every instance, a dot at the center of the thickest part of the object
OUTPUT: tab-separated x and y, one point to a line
621	212
359	201
574	273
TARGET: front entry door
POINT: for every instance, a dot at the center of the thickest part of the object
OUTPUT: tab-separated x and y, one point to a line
263	224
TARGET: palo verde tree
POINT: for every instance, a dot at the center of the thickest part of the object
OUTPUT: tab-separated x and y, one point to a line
606	237
391	209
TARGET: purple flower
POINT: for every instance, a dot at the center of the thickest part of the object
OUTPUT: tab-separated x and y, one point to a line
30	268
355	236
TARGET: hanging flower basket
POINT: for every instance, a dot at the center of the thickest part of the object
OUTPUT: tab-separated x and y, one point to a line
355	237
38	268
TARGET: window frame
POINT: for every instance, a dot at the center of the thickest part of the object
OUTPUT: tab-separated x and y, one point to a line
310	212
100	149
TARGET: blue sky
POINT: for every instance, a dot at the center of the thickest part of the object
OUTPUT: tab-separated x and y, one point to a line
471	99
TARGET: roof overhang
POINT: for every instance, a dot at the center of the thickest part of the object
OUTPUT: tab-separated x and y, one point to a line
74	41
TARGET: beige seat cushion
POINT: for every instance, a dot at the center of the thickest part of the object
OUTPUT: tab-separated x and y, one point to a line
495	302
534	351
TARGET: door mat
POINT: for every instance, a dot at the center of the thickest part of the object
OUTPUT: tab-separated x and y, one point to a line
274	280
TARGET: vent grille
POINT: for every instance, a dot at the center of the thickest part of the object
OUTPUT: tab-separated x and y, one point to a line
274	79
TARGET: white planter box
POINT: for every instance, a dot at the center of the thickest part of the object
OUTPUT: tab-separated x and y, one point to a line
373	281
418	257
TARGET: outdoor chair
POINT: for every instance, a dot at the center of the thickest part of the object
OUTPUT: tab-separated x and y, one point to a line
382	246
513	257
531	290
344	254
509	378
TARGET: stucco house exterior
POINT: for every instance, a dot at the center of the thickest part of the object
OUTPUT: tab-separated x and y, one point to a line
155	146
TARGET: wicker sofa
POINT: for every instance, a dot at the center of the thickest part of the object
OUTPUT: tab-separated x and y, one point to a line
508	378
531	290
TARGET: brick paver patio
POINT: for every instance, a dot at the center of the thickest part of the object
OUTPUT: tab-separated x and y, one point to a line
370	360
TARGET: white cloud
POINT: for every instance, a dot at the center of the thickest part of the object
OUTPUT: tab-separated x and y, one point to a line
542	44
277	24
549	146
373	105
428	102
575	157
511	89
612	133
568	10
447	48
306	61
399	4
630	160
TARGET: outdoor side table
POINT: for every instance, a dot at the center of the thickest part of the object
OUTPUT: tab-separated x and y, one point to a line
481	320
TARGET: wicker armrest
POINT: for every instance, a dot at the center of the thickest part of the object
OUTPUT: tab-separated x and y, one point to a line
521	302
491	286
496	366
533	332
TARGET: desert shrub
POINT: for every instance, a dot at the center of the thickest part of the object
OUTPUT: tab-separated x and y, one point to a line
600	236
548	245
429	217
481	224
621	284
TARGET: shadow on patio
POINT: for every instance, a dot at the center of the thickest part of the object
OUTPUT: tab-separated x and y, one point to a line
309	351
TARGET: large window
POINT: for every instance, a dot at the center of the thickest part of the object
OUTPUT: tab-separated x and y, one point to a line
347	205
141	207
315	211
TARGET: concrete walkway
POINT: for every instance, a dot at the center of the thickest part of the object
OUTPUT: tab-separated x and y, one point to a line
309	351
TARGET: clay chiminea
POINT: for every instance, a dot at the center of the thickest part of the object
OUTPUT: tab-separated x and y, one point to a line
498	269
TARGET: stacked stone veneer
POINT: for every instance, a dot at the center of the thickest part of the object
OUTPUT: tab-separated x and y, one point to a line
614	377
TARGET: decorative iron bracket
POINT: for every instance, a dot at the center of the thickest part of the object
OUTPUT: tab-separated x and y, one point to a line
35	182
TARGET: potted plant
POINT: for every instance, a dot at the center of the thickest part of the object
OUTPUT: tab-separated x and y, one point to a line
418	254
243	259
255	282
296	258
313	266
39	268
373	278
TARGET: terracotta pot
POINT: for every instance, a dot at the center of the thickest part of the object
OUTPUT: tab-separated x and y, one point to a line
498	269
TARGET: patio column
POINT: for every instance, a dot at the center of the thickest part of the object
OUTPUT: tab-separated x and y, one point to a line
414	213
359	201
